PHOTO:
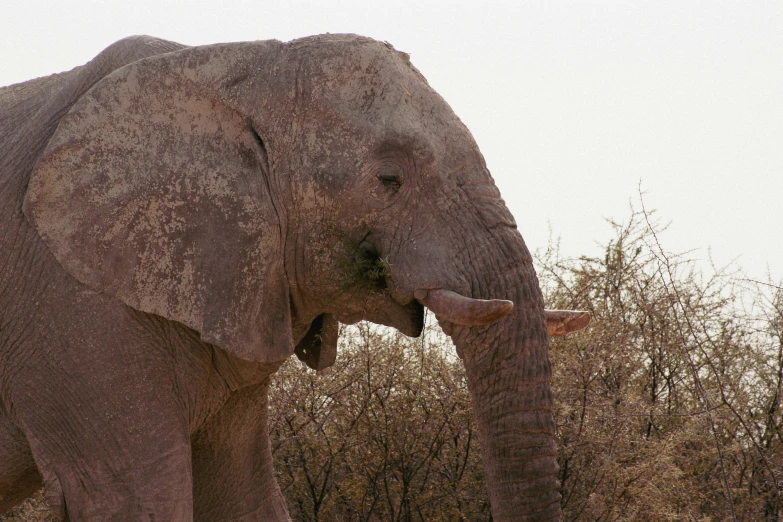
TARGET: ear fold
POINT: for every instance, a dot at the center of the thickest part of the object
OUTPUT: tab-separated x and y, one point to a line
154	191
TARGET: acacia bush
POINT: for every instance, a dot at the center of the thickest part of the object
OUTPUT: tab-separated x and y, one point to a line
385	436
668	406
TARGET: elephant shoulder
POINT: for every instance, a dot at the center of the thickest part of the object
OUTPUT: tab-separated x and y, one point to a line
22	104
21	101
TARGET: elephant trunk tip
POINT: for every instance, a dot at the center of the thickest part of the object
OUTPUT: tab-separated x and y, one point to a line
462	310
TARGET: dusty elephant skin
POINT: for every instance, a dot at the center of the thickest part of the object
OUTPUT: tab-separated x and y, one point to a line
175	222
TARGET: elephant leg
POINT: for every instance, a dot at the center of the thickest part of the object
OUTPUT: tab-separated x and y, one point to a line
19	478
231	454
106	419
95	468
124	467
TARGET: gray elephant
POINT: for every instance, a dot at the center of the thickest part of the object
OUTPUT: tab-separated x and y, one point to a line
175	222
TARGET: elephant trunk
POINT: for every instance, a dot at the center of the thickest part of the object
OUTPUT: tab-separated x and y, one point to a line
508	373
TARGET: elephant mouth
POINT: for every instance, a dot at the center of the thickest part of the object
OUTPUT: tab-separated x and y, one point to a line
447	305
373	278
381	308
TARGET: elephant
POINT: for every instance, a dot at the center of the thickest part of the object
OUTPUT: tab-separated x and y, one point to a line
176	222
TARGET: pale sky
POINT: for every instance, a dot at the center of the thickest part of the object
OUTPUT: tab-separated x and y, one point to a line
572	103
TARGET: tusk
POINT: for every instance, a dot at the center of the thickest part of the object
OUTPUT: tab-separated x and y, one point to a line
563	322
463	310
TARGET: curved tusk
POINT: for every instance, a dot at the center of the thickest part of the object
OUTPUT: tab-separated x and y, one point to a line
463	310
563	322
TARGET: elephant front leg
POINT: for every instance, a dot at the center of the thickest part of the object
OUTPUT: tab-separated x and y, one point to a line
106	426
233	474
118	466
131	470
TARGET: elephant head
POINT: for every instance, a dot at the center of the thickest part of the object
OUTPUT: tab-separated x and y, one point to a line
261	192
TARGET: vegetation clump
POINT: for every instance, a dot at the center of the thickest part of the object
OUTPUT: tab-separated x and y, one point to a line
668	406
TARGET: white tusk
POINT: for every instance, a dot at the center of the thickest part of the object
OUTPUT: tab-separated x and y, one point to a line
563	322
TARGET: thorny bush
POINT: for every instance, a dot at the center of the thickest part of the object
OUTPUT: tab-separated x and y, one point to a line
668	406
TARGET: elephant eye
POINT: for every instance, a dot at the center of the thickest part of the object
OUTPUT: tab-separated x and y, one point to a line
391	177
391	181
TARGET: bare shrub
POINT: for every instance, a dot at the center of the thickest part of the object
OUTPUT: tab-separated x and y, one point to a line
385	436
668	406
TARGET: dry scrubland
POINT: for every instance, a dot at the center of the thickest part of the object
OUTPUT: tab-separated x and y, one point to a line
668	406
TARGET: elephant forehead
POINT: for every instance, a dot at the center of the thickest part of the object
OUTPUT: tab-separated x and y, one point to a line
362	76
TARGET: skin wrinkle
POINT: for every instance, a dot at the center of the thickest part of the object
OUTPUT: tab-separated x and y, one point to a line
20	106
10	262
115	448
297	248
446	224
24	326
483	362
9	304
154	330
466	231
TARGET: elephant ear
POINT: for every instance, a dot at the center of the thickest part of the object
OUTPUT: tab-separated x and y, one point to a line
155	192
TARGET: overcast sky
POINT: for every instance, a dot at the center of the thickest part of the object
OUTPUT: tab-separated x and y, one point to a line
574	104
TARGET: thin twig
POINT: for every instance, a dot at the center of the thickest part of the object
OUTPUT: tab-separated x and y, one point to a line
664	261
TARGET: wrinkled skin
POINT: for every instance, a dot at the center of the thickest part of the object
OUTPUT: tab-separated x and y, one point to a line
176	222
